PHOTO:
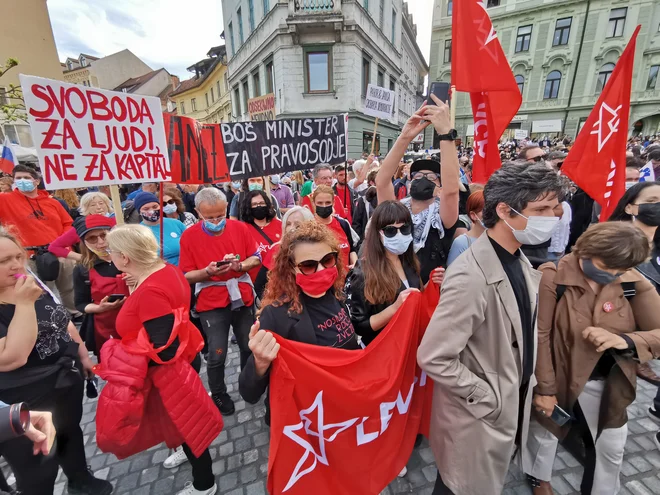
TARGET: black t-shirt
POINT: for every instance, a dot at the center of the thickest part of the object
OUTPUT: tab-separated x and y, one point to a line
53	337
331	322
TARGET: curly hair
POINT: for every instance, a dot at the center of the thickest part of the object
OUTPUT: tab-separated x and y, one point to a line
282	288
174	193
246	205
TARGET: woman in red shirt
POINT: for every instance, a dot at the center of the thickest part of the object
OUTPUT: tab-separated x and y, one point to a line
323	199
258	212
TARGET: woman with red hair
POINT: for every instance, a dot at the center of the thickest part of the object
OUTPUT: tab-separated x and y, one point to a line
474	208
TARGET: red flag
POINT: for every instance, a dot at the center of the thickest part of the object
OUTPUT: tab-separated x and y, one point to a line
480	68
597	160
346	421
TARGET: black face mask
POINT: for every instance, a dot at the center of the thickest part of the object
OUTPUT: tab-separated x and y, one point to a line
422	189
260	212
649	214
324	211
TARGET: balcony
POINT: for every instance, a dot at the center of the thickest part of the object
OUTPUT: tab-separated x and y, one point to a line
312	15
314	6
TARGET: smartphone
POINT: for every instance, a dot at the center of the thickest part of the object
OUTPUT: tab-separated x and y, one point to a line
559	416
115	297
223	263
440	90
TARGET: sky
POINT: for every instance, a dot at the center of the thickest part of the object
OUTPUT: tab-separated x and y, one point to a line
162	32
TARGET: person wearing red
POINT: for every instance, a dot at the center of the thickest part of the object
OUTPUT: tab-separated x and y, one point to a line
216	256
323	198
154	393
39	219
344	192
258	212
323	175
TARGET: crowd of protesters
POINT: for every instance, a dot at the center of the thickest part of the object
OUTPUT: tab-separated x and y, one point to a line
545	320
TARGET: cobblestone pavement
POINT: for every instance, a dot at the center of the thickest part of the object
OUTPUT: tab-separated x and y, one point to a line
240	456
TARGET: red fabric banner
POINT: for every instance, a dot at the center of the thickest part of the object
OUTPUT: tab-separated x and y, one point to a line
597	160
346	421
480	67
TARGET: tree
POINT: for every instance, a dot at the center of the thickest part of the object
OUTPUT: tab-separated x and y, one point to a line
12	104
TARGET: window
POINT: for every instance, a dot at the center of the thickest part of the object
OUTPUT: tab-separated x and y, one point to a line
86	83
393	26
381	17
617	22
381	78
83	61
206	97
450	5
251	14
650	84
523	39
193	104
266	7
392	84
562	31
603	76
552	84
270	77
256	82
212	96
520	81
226	82
366	5
447	58
19	134
318	68
217	85
493	3
366	74
246	95
182	108
237	102
239	19
231	39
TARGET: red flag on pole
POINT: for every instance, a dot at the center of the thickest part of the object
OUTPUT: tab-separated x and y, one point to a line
597	160
480	68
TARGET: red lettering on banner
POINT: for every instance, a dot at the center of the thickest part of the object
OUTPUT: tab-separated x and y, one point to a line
59	165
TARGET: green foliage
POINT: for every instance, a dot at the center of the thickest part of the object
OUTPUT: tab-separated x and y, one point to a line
12	104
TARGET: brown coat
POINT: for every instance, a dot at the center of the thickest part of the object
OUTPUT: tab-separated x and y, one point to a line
566	360
471	350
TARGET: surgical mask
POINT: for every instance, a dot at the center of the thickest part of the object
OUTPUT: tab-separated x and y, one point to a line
212	227
324	211
649	214
24	185
101	253
236	184
422	189
599	276
255	186
630	184
538	230
260	212
275	179
169	209
151	215
398	244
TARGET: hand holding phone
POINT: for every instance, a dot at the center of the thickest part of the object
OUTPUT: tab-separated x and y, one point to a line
115	297
559	416
440	90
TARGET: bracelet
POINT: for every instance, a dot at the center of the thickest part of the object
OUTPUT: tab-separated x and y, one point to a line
240	267
207	272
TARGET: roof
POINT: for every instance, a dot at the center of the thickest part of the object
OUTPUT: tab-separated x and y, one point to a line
193	82
136	82
89	57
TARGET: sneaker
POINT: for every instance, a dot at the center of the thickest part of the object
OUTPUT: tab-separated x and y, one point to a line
656	439
653	414
224	403
189	489
403	472
176	459
87	484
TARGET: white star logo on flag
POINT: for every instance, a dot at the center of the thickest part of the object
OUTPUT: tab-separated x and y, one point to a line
604	126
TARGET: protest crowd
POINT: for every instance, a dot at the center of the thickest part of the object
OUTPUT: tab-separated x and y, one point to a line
485	296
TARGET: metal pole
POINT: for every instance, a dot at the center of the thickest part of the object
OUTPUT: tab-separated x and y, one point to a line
577	66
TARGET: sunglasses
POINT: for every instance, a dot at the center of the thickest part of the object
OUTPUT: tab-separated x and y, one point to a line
93	239
539	158
170	202
390	231
310	267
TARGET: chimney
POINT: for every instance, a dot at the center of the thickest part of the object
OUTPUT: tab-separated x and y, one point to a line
175	82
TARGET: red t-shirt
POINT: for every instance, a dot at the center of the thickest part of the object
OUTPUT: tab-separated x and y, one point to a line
338	206
344	246
159	295
274	232
348	207
199	248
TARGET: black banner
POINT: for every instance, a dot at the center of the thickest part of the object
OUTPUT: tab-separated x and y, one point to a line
255	149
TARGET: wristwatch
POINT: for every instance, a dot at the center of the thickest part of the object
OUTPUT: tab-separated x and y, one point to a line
452	135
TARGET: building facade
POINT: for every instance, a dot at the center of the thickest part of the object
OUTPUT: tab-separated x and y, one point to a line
562	53
205	97
105	72
318	57
27	36
158	83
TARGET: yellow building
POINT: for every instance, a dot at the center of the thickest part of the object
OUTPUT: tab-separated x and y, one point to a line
205	97
25	35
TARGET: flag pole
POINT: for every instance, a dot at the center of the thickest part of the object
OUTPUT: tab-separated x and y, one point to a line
373	138
116	204
160	201
452	107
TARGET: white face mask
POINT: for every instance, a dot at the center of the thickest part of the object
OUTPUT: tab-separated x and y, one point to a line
398	244
538	230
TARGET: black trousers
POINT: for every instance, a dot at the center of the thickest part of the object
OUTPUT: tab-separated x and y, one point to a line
36	474
440	488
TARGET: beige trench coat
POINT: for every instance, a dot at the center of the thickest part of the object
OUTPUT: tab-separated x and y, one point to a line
471	350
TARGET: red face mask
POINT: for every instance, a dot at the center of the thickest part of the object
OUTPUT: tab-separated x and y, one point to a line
319	282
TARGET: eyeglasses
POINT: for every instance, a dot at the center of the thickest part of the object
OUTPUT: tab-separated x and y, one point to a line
170	202
538	158
258	205
310	267
94	239
215	220
390	231
429	175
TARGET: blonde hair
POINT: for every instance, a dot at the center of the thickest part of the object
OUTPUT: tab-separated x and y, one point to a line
298	177
91	196
323	190
136	242
69	196
6	232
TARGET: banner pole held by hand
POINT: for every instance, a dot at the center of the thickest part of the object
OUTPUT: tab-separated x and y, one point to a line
116	204
452	107
373	139
160	200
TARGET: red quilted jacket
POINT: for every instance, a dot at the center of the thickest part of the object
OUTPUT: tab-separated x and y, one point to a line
140	407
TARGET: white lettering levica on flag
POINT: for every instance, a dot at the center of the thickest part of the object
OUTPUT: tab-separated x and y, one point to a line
481	137
386	413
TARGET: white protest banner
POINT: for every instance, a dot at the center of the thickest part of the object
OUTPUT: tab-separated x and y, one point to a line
519	134
379	102
87	136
